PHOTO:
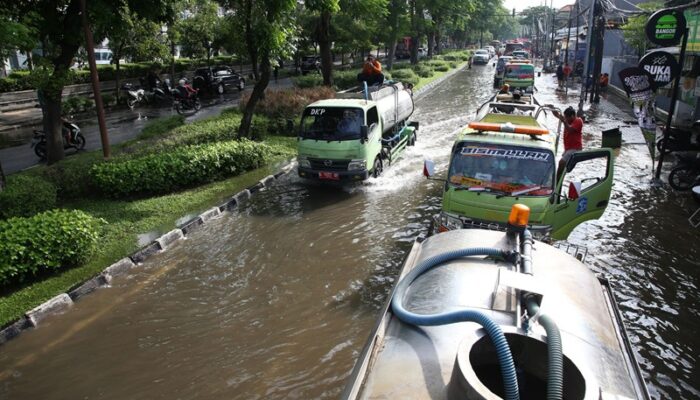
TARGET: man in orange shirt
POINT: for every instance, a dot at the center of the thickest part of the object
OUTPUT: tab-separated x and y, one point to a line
371	72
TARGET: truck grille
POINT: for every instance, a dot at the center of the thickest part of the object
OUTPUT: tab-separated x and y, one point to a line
329	165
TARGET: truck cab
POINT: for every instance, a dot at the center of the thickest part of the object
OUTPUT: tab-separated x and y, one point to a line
520	75
350	138
506	158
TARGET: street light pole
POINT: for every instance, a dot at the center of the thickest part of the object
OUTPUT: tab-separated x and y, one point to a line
89	42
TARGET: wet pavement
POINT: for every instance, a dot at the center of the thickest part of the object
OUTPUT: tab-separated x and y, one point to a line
278	300
122	125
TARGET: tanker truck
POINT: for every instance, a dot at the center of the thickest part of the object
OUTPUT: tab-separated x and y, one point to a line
357	134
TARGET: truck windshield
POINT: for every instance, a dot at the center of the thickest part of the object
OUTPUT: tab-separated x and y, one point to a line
516	71
516	171
331	123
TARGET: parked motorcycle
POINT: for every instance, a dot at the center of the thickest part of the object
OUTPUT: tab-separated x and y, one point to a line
72	138
185	104
158	95
681	139
684	174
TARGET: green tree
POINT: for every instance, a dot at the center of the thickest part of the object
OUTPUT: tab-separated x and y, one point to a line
58	27
133	38
14	36
199	30
269	27
633	30
325	9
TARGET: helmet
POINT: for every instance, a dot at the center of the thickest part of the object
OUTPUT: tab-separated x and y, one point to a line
181	82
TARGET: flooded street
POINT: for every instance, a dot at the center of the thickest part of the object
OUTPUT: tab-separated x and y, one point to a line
277	301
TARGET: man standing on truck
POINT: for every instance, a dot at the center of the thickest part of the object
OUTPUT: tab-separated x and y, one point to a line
573	128
371	72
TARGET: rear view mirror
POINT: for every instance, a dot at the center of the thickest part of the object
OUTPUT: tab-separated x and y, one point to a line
428	168
363	133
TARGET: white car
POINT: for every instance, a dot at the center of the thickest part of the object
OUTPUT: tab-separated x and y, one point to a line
481	56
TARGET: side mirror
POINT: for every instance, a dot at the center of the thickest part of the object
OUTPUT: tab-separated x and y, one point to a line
428	168
494	64
364	135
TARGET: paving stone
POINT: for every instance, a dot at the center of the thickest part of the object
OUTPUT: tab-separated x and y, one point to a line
229	205
118	268
88	287
267	180
210	214
255	188
144	253
15	329
169	238
191	226
51	307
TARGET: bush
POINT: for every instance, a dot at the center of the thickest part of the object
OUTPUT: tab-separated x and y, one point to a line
406	76
287	103
161	126
26	195
436	63
45	242
423	70
308	81
403	65
201	132
179	168
71	177
442	68
345	79
453	64
71	105
108	99
9	85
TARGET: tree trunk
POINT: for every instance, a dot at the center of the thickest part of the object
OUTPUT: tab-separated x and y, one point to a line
257	95
2	179
324	43
438	38
117	91
250	41
53	125
431	43
30	60
415	35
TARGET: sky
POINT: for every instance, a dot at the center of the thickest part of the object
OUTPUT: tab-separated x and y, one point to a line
520	5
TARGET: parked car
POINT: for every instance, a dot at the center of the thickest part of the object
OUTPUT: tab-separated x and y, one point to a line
217	79
310	64
481	56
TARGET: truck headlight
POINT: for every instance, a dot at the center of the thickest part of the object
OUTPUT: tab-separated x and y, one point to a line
448	222
357	165
303	162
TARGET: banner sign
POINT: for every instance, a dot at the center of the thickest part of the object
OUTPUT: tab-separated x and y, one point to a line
505	153
666	27
662	66
637	82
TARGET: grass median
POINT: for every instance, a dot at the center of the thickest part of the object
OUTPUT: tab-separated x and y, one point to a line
129	216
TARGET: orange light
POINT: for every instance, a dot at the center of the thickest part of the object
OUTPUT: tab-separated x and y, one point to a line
519	215
508	128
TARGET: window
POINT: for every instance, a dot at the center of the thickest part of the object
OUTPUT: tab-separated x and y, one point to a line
332	123
372	117
588	170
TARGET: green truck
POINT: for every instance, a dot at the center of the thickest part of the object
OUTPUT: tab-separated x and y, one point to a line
506	158
357	134
519	74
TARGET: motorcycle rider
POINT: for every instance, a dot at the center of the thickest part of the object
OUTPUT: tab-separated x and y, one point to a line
185	89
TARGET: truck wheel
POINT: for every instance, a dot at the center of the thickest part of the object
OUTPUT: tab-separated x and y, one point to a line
377	168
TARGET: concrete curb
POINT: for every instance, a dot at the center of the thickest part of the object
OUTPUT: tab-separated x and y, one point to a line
54	306
63	301
422	91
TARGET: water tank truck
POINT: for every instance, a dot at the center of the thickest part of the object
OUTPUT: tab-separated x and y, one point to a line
357	134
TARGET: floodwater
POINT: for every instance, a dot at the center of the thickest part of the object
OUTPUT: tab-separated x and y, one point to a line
277	301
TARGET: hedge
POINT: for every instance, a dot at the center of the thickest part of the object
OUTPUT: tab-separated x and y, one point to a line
161	126
406	76
25	196
45	242
422	70
178	168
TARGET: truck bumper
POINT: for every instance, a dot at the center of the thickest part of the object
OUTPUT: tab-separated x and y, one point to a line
333	176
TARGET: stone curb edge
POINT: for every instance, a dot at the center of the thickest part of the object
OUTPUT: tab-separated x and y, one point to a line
64	301
425	89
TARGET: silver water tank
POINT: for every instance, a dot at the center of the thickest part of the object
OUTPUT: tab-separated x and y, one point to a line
394	103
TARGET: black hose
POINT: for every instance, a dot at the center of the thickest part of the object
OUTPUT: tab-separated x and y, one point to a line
555	368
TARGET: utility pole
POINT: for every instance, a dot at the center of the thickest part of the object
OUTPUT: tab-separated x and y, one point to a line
589	42
95	82
575	45
551	47
568	38
598	56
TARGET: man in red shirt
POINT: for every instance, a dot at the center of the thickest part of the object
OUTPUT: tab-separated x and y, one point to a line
573	128
371	72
